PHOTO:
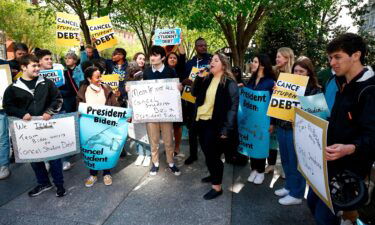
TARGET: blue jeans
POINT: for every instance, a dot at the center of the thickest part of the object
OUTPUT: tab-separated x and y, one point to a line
4	139
295	182
143	149
322	214
42	174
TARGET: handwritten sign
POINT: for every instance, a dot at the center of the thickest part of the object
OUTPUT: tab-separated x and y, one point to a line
284	98
155	100
112	80
67	30
316	105
56	75
102	30
103	131
253	123
186	94
42	140
165	37
138	132
5	81
310	140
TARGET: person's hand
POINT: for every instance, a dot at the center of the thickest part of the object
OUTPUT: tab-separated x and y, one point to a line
130	120
338	151
240	85
127	88
271	129
27	117
179	86
223	136
46	116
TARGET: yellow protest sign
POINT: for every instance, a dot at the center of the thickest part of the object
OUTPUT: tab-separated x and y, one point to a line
67	30
102	30
186	94
285	96
112	80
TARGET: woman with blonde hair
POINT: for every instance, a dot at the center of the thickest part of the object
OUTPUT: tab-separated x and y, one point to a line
284	60
217	99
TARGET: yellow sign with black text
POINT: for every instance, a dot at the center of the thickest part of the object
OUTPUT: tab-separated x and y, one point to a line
101	30
67	30
186	94
112	80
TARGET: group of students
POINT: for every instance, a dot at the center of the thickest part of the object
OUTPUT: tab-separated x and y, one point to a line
212	119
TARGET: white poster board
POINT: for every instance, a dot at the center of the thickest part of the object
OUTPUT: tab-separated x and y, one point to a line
5	81
42	140
138	132
310	141
155	100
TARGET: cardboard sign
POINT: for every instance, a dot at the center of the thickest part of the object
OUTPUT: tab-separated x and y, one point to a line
56	75
42	140
316	105
103	131
253	123
155	100
310	141
102	30
67	30
113	80
186	94
5	81
165	37
284	98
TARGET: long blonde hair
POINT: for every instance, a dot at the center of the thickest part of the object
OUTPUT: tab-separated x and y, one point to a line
289	54
226	67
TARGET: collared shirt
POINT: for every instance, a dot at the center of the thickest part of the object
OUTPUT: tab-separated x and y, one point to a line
160	69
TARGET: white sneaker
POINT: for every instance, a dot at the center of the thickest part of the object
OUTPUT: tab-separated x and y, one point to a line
139	160
66	166
289	200
4	172
252	176
259	178
346	222
146	161
282	192
269	169
47	166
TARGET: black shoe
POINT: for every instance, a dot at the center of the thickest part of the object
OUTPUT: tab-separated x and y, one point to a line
154	170
207	179
190	160
39	190
174	170
212	194
60	192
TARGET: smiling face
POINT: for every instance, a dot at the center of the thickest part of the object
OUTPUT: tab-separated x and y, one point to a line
216	66
30	71
254	64
140	60
70	62
172	60
46	62
96	78
281	61
342	62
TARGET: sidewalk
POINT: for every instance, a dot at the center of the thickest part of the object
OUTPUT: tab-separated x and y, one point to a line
137	198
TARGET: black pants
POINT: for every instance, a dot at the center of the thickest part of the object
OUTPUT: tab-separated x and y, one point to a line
95	172
209	139
258	164
193	140
41	172
271	160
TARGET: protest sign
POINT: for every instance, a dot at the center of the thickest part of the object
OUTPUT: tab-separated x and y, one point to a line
67	30
56	75
40	140
253	123
155	100
103	133
112	80
138	132
316	105
102	30
186	94
310	141
165	37
284	98
5	81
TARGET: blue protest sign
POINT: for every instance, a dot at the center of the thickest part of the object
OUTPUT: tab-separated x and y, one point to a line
57	76
165	37
253	123
103	133
316	105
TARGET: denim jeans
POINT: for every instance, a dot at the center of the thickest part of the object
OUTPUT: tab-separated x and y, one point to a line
295	182
143	149
4	139
42	174
322	214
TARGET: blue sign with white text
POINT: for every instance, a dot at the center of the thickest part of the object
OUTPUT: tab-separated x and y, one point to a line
165	37
315	104
57	76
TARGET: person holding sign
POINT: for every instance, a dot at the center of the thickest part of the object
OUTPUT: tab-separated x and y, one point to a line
159	71
32	95
92	91
217	100
262	80
295	183
140	59
118	65
351	129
